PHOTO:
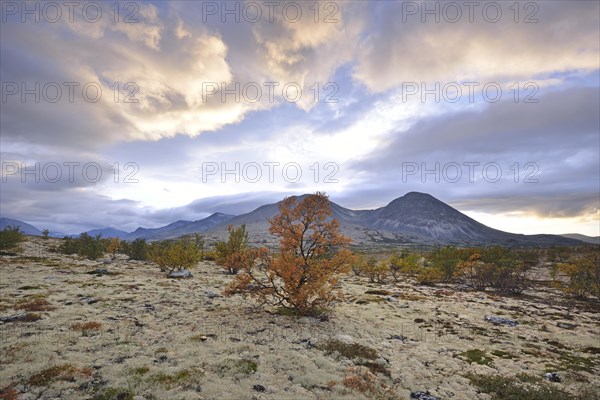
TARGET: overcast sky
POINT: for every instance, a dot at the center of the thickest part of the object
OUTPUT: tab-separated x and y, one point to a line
148	112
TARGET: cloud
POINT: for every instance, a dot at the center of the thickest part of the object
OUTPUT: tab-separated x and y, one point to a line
400	48
554	142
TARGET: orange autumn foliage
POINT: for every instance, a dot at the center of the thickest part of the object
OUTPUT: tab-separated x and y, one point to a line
303	274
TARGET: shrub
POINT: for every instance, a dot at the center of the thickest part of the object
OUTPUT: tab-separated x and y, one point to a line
582	273
429	276
210	256
69	246
475	273
10	238
113	247
136	250
404	264
234	254
303	274
519	388
375	270
85	245
65	372
497	268
358	264
45	233
171	255
447	259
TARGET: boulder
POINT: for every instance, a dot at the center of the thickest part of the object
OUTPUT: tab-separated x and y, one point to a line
183	273
422	396
500	321
552	377
566	325
211	295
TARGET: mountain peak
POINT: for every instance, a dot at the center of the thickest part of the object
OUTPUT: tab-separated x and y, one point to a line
418	194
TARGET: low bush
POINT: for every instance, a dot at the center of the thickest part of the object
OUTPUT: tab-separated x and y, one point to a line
497	268
522	388
582	273
10	239
376	270
235	254
172	255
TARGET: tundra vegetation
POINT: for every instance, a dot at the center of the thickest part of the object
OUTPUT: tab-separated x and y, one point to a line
372	304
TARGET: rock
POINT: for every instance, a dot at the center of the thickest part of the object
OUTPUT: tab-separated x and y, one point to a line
398	337
552	376
259	388
89	300
500	321
422	396
310	344
26	317
210	295
162	359
105	262
184	273
566	325
392	299
100	271
203	338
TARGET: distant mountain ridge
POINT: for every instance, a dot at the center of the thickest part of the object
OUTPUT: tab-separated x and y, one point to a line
583	238
24	226
415	218
180	228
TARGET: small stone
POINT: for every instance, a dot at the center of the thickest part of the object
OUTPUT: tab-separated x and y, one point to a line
392	299
422	396
566	325
500	321
99	271
210	295
162	359
259	388
203	338
552	377
89	300
184	273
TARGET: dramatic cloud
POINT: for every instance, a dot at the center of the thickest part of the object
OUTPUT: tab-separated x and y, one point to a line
484	44
363	100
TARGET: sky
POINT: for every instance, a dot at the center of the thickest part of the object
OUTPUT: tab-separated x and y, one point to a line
128	114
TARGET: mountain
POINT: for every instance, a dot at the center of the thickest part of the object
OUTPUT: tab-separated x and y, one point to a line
108	233
25	227
179	228
417	218
583	238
